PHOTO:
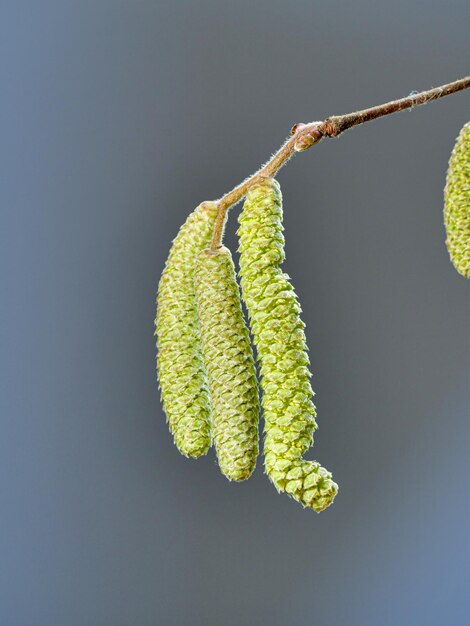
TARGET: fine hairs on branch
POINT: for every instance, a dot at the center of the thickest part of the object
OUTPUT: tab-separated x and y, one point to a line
205	361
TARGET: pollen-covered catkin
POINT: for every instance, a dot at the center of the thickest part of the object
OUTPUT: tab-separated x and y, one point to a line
457	203
280	341
230	366
180	367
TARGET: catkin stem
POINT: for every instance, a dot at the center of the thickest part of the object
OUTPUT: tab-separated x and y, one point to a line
218	232
304	136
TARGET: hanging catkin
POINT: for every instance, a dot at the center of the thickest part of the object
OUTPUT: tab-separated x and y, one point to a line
181	372
279	337
457	203
228	357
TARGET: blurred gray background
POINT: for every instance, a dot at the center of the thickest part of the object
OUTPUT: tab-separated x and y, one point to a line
118	117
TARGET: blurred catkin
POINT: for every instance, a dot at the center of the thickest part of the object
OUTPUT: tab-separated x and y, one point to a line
180	367
457	203
280	341
229	361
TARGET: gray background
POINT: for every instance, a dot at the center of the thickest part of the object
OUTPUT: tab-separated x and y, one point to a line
118	117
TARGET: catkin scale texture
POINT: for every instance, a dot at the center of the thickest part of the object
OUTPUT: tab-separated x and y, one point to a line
229	362
180	366
279	337
457	203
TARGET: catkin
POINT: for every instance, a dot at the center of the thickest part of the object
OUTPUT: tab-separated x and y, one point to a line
180	367
457	203
279	337
229	361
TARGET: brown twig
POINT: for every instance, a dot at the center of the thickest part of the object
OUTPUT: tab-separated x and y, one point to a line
304	136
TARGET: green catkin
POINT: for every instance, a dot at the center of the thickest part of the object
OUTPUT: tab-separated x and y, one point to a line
180	367
229	361
279	337
457	203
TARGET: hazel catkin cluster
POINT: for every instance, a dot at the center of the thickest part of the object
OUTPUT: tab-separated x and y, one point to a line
205	361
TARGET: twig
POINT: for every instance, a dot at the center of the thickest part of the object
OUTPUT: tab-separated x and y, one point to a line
304	136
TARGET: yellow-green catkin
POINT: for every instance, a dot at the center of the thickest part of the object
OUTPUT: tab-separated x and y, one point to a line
279	337
180	367
457	203
230	366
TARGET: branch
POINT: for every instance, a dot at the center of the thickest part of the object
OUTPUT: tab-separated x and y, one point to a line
304	136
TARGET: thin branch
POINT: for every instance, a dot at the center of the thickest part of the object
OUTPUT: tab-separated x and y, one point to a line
304	136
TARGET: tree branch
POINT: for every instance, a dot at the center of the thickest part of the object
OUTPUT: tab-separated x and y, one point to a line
304	136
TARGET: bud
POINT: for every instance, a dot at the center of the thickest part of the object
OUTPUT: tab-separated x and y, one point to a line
180	367
279	337
228	357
